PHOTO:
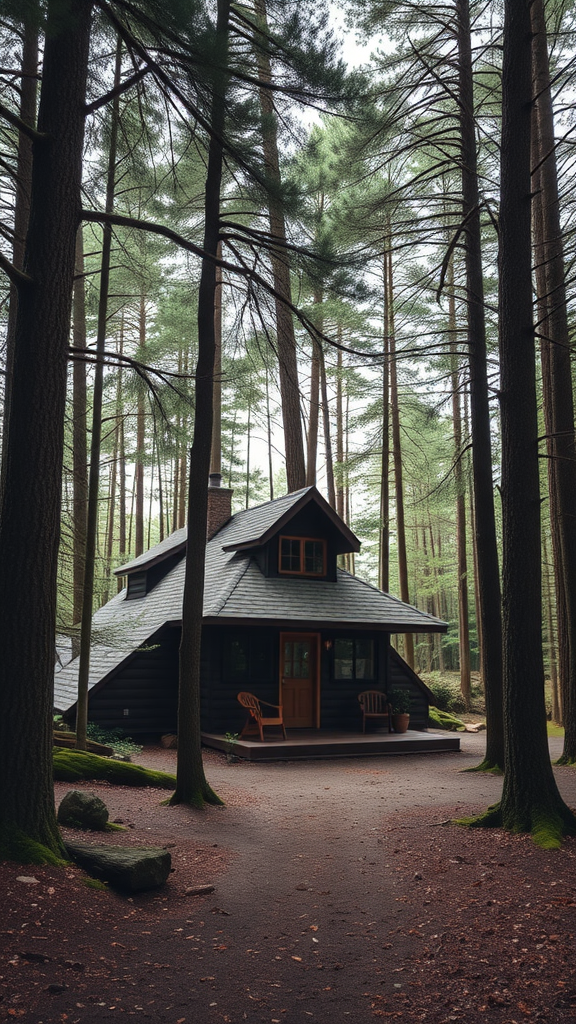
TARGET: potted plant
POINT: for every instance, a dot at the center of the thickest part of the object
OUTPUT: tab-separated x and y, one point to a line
400	701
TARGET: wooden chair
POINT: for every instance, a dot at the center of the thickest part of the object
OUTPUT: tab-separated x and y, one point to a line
375	704
258	719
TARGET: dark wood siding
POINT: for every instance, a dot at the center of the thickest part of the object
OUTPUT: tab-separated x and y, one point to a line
146	686
221	711
339	697
402	678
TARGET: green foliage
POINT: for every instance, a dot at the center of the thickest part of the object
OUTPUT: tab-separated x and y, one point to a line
115	738
400	701
75	765
446	696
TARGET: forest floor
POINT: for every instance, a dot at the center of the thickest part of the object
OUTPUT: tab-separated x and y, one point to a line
341	890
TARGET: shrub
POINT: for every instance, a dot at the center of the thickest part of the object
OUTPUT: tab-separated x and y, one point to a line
115	738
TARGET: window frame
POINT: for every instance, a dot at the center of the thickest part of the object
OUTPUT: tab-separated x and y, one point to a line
302	572
354	678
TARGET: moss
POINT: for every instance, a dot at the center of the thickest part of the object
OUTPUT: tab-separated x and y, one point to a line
444	720
547	827
492	818
486	766
566	762
95	883
112	826
17	846
75	765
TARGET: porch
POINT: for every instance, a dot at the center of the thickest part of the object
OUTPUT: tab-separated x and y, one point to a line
309	744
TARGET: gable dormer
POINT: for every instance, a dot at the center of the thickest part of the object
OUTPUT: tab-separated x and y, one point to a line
298	536
146	571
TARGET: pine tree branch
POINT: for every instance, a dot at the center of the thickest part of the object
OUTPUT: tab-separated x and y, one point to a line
17	277
90	108
21	125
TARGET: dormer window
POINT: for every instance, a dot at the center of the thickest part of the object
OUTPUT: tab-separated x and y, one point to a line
302	556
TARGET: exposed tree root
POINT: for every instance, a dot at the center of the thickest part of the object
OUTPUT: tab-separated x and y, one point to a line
486	766
15	845
196	797
547	826
566	761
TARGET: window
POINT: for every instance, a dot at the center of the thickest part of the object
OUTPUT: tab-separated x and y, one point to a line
302	556
247	657
354	659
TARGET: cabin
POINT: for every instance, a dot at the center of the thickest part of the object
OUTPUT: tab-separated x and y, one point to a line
281	620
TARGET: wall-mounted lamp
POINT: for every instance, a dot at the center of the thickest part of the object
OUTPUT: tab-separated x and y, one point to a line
328	644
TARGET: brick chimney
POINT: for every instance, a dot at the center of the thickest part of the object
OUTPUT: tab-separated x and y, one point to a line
219	505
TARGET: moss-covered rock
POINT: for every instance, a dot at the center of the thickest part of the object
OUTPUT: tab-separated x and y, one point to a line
79	809
444	720
75	766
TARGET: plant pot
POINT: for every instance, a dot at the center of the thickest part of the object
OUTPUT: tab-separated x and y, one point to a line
400	722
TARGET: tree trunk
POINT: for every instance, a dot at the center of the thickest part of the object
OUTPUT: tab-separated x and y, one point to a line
384	546
339	436
312	451
489	605
30	520
550	257
191	786
216	452
286	340
28	99
140	433
327	438
79	444
94	473
530	798
464	629
397	460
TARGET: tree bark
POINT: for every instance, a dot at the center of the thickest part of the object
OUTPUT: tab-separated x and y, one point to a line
79	443
559	397
397	459
463	611
286	340
312	450
530	798
384	546
489	603
191	785
94	472
30	521
140	433
28	100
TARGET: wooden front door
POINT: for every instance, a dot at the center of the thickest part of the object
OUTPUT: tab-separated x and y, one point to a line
299	679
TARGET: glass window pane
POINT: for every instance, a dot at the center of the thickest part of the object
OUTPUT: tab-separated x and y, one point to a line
314	557
343	659
364	659
301	660
289	554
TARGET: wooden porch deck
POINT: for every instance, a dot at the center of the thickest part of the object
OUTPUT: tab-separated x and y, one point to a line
308	744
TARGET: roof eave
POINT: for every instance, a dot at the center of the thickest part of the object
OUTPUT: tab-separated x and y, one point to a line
305	499
130	567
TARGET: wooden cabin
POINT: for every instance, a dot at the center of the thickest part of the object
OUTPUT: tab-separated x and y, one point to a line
280	620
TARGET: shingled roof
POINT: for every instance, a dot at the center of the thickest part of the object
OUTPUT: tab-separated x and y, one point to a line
236	591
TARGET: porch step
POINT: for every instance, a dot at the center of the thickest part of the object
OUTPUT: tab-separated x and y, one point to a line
307	744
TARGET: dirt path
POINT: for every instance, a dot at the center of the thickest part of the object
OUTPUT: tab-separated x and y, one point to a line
338	896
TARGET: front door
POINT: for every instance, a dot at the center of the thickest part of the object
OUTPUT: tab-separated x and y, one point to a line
299	677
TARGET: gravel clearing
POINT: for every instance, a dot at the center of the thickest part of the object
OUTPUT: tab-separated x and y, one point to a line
341	892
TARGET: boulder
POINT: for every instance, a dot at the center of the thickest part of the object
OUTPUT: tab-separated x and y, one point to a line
83	810
129	868
169	741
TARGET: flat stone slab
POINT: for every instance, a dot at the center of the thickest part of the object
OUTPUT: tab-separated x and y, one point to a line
130	868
